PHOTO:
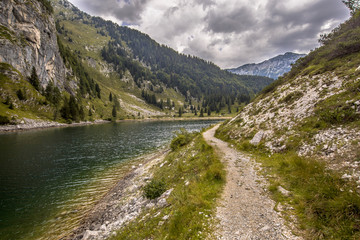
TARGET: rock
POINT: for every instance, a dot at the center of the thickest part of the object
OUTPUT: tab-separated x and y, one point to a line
283	191
346	176
162	203
38	47
257	138
90	235
265	228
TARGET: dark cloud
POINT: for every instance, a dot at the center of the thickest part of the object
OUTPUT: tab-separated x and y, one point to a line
237	20
124	10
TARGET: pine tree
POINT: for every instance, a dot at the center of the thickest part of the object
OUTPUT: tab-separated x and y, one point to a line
114	113
34	79
201	112
180	112
74	109
110	97
21	95
82	114
98	91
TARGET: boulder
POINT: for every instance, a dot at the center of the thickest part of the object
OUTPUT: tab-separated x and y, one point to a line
257	138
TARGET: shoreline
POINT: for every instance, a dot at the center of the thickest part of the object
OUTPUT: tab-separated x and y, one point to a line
169	119
123	202
30	124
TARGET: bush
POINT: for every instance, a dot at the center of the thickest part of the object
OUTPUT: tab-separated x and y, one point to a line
292	97
21	95
182	138
4	120
339	115
154	189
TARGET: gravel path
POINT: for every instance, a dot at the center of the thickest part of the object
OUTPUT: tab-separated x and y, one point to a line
245	211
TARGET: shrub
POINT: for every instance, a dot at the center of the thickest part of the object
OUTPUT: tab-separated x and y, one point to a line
292	97
4	120
21	95
182	138
154	189
339	115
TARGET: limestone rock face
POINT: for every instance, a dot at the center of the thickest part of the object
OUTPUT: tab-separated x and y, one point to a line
28	38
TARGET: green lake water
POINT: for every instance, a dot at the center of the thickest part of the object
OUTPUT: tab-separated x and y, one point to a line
50	178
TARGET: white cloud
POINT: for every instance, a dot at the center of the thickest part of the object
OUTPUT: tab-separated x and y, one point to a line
227	32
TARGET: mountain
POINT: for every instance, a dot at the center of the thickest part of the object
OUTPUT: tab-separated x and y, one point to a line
305	131
272	68
59	63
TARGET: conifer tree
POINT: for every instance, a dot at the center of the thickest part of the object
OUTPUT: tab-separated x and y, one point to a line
180	112
114	113
201	112
34	79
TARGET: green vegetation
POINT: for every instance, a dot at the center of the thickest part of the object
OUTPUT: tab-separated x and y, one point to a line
196	176
34	79
4	120
292	97
47	5
182	138
154	189
6	33
87	84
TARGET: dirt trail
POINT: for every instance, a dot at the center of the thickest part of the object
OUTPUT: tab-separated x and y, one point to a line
245	211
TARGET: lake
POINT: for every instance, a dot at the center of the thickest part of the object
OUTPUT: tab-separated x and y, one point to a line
50	178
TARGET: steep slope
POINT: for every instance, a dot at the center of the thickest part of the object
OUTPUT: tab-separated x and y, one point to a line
149	66
304	128
28	39
272	68
85	68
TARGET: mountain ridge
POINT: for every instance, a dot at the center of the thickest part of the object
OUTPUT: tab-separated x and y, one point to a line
272	68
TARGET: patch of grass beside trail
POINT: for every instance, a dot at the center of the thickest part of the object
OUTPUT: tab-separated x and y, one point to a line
196	176
326	206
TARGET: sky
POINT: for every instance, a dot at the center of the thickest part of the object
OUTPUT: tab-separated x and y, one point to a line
229	33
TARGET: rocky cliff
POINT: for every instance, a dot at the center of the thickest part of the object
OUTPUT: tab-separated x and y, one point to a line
272	68
28	39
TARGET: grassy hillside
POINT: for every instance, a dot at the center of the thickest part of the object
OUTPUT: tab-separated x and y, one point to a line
123	60
304	129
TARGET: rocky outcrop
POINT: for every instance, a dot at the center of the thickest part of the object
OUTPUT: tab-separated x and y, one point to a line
28	39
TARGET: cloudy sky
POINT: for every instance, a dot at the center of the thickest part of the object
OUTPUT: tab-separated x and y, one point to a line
227	32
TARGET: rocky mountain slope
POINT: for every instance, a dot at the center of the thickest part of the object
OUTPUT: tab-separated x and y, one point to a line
304	128
28	39
59	63
272	68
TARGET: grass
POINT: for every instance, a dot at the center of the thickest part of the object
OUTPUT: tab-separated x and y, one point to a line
33	106
326	206
196	176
